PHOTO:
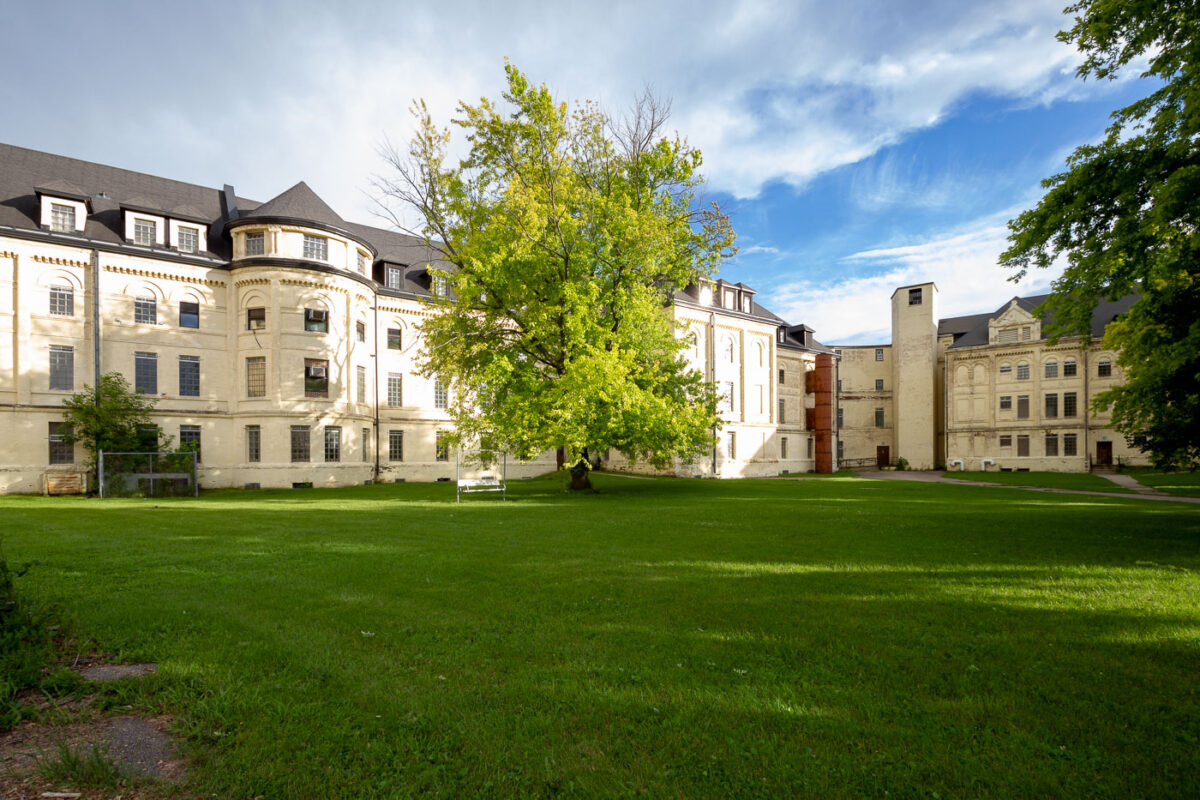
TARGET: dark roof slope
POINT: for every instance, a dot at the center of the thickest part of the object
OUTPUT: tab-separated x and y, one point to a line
972	330
299	203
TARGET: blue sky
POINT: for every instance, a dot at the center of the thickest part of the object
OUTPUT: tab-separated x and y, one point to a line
858	146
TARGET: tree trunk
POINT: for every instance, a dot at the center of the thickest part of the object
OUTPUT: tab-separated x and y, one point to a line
581	476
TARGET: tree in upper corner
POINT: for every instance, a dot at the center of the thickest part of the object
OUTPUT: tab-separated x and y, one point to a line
1126	215
567	234
110	417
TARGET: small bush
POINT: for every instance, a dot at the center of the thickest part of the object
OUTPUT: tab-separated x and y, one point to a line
902	464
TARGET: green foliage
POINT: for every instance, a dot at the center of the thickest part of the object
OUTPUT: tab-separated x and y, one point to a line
567	233
80	766
902	464
25	646
116	423
1126	215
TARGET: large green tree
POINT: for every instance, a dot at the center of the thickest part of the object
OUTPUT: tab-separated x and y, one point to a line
1126	217
565	234
109	416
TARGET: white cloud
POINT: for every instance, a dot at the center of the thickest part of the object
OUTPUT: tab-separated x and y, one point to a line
857	310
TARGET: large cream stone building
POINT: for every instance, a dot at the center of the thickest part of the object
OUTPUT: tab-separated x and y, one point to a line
985	391
282	341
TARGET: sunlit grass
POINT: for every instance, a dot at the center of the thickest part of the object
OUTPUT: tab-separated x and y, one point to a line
681	638
1077	481
1184	484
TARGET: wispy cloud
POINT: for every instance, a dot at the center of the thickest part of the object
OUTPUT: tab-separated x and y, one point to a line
963	263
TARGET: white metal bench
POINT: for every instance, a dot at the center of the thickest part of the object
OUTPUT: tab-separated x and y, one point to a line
487	482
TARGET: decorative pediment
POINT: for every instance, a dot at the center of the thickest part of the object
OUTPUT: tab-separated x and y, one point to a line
1014	324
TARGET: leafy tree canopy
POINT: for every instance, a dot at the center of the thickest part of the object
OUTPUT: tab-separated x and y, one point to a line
567	233
1125	216
109	416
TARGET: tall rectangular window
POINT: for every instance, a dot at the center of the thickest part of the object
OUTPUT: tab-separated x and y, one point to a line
62	368
62	218
1051	444
62	301
188	238
1006	402
362	262
1022	372
783	447
782	375
731	445
256	376
145	231
1069	368
360	330
440	396
914	297
394	277
189	315
316	247
1022	445
316	377
839	417
255	244
1070	444
256	319
316	320
441	446
729	392
60	452
782	407
189	376
300	443
333	443
879	384
395	445
808	446
393	339
253	444
189	439
1104	368
1069	403
440	285
879	354
395	392
145	311
1051	369
145	373
1022	406
841	450
1051	406
361	383
366	444
879	418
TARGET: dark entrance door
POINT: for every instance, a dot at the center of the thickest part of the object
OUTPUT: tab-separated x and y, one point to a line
1104	454
882	456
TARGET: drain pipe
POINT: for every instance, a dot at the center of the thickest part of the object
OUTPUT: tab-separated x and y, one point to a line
983	465
96	324
712	379
375	355
961	466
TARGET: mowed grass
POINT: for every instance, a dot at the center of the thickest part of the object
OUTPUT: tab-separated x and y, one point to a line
1183	484
1075	481
665	638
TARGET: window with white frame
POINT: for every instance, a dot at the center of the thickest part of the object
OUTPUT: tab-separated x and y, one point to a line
366	444
395	389
362	262
62	368
188	239
62	301
256	376
361	383
189	376
300	443
729	392
145	310
253	443
395	445
145	373
731	445
255	244
395	276
440	285
62	218
440	395
145	231
333	443
316	248
441	446
879	354
189	439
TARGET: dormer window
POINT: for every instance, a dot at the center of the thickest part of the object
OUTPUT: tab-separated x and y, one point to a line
441	287
746	304
316	248
706	298
62	218
189	239
394	277
145	231
255	244
1006	336
730	299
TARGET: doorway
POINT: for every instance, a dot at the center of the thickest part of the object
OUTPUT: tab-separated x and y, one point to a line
882	456
1104	454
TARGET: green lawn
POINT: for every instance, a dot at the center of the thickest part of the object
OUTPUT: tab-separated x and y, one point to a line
666	638
1079	481
1184	484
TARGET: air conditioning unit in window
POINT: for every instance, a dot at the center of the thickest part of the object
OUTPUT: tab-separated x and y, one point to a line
316	372
258	324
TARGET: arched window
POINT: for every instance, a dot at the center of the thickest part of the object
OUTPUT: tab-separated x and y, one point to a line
729	350
1051	369
759	349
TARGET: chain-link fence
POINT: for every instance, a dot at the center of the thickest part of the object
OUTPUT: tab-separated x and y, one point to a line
148	474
